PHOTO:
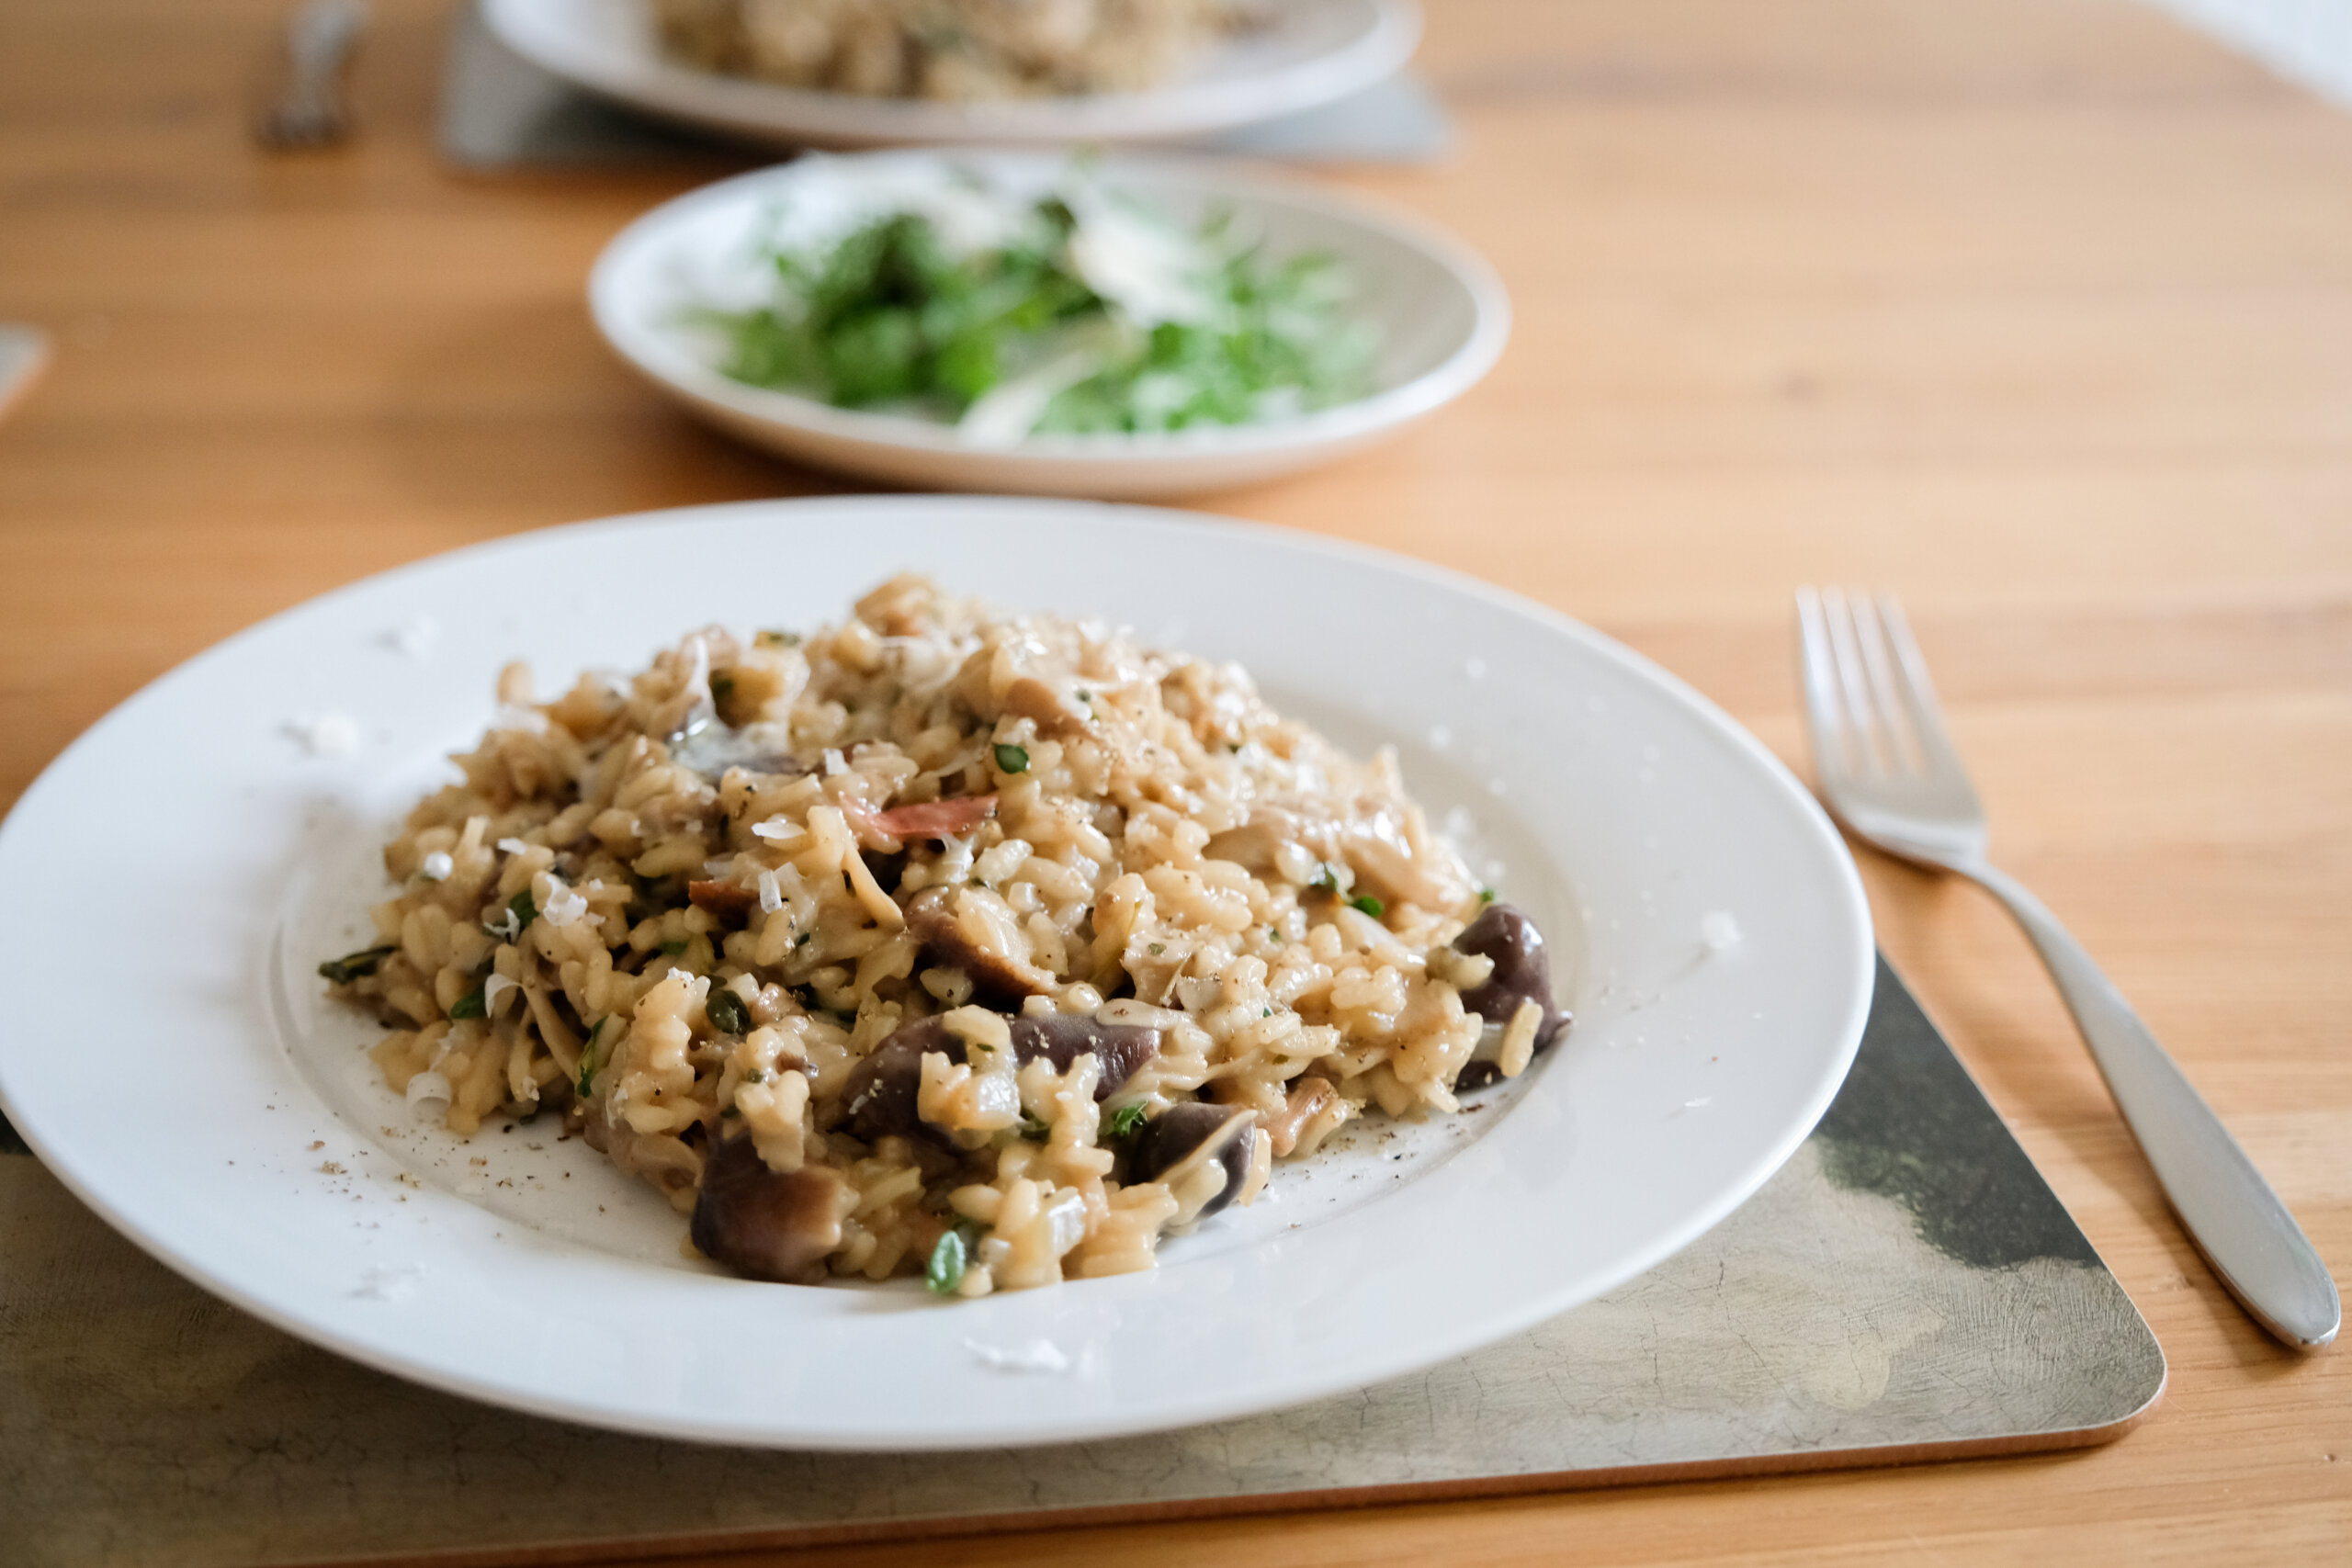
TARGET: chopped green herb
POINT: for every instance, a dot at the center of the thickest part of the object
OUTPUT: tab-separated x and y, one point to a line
1034	1131
352	965
1085	696
1157	948
674	948
730	1111
1124	1121
1233	745
592	1054
1486	896
726	1012
778	639
944	1272
1266	1012
471	1005
1327	877
757	1075
1012	759
721	687
1369	905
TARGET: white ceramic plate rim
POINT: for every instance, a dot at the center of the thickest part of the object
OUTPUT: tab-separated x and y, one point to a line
78	1149
663	356
541	33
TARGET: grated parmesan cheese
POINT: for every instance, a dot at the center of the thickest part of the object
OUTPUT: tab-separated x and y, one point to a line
328	734
1036	1355
563	905
415	637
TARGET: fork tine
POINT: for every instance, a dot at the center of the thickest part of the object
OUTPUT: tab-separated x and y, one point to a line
1871	753
1903	752
1825	716
1920	702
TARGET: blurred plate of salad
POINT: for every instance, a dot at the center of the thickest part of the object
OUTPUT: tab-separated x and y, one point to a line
1120	327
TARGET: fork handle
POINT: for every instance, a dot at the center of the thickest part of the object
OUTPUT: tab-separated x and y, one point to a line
2228	1209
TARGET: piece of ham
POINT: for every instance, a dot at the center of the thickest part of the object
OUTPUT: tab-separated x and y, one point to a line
888	830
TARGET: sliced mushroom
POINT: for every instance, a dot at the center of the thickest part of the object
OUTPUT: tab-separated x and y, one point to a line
729	901
1184	1143
1063	1037
1030	698
768	1224
880	1091
1310	1101
998	981
1522	973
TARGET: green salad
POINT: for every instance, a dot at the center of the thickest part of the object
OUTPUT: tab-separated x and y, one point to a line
1082	311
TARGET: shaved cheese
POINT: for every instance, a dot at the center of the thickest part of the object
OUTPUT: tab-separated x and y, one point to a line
429	1093
563	904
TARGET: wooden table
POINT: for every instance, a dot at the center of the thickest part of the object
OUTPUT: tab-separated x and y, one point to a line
2038	312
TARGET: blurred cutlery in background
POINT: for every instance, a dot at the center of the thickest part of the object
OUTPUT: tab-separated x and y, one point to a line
311	109
24	355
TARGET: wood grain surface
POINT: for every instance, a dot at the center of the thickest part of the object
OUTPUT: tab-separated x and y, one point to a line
2037	311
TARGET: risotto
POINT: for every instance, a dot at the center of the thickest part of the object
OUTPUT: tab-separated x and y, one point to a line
992	949
956	49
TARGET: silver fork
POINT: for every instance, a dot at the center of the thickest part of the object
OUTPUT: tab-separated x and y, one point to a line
310	111
1888	769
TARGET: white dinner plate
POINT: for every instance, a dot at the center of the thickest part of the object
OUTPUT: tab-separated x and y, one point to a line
173	880
1311	52
1441	314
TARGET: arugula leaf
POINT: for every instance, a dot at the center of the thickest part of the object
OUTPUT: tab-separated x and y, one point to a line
886	316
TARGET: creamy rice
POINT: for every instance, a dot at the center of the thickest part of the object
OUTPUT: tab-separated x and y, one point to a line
936	941
954	50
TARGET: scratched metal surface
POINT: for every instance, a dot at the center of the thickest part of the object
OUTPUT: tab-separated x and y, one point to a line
1906	1280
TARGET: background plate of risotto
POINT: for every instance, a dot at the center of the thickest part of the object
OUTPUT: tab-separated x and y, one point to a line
895	73
1011	1008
